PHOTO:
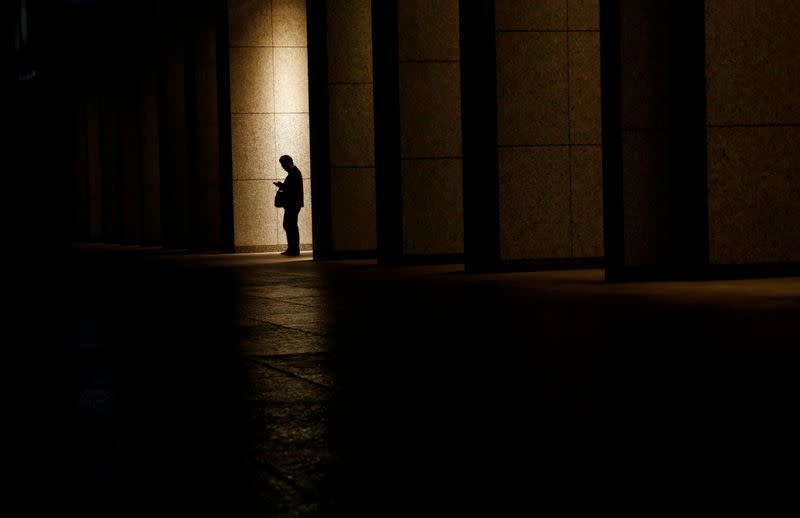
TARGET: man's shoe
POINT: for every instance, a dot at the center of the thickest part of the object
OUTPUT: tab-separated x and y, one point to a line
291	254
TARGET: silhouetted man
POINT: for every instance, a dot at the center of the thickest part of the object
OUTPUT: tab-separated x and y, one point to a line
292	186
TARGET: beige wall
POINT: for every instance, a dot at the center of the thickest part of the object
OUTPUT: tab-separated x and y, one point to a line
351	125
753	113
430	127
269	116
548	115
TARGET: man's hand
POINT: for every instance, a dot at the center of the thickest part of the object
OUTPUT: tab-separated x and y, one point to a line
277	184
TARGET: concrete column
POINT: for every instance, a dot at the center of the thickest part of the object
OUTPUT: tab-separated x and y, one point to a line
654	139
172	127
94	162
152	154
203	125
79	161
149	128
479	134
350	130
418	125
388	182
532	138
109	129
130	156
81	47
430	128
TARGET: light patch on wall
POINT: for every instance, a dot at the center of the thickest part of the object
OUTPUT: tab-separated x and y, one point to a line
291	80
269	82
289	23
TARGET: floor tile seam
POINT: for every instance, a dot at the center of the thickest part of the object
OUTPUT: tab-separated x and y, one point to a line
285	300
315	334
287	325
291	374
306	492
283	326
290	356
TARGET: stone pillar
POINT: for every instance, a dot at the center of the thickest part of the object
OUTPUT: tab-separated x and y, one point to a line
350	130
532	139
342	129
149	128
94	161
150	169
418	129
701	148
203	128
430	128
109	129
479	134
654	99
172	126
129	155
388	184
80	156
319	124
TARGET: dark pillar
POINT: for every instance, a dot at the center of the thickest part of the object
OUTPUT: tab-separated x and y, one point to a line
654	139
224	121
388	181
148	57
172	125
316	19
108	134
479	135
610	99
688	167
194	207
129	32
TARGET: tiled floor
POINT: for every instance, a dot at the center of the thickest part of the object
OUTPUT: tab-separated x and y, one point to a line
257	385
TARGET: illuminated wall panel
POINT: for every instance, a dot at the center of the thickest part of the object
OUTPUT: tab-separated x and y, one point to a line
269	116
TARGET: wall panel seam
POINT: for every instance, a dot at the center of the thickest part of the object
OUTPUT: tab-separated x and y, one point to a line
500	31
430	61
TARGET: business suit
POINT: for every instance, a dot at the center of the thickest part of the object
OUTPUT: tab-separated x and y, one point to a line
293	187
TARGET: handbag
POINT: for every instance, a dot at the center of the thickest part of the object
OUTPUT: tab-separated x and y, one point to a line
280	199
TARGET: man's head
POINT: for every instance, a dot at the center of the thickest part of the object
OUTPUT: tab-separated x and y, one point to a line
286	162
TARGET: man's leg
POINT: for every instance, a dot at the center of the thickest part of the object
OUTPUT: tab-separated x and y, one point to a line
292	231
